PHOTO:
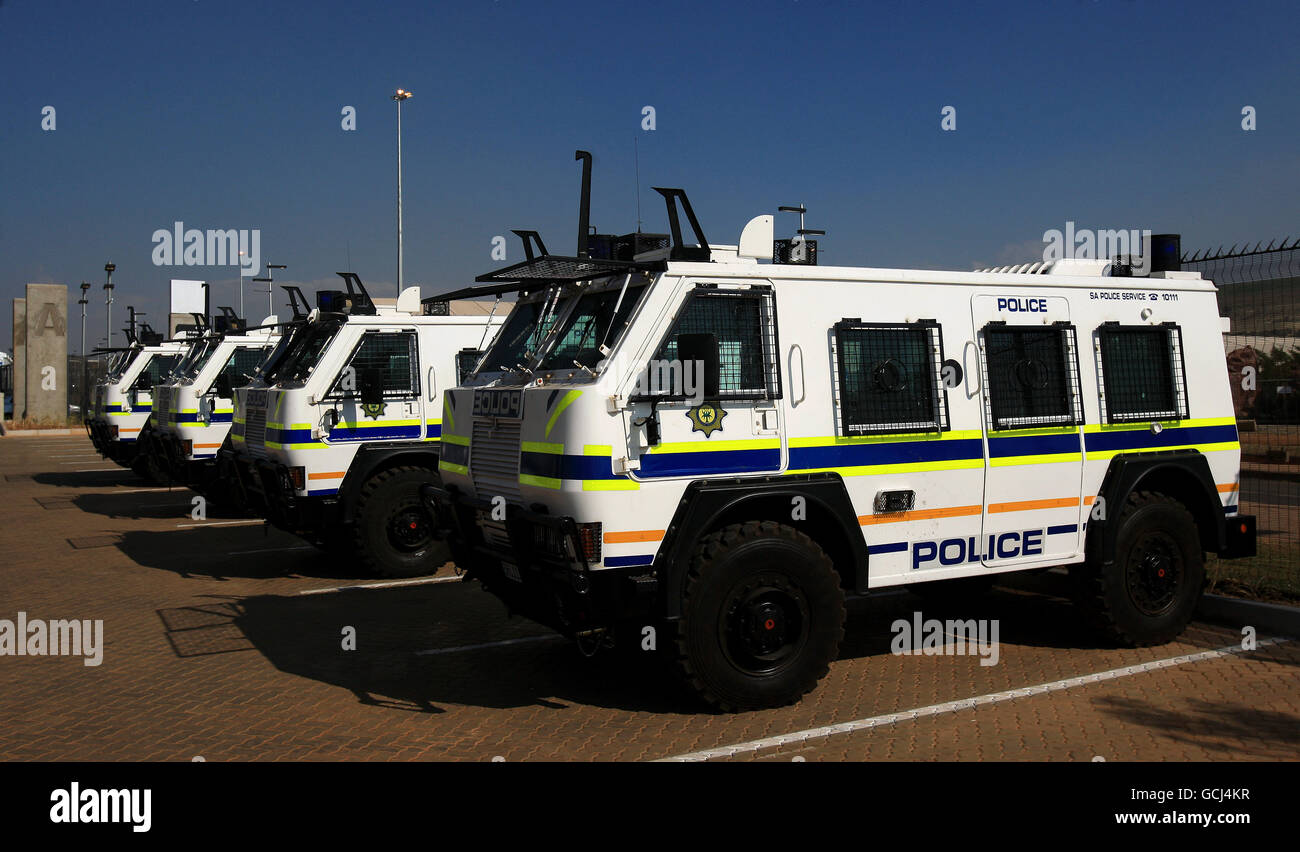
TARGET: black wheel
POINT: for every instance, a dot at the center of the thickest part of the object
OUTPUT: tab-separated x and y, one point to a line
1148	595
953	591
394	534
762	617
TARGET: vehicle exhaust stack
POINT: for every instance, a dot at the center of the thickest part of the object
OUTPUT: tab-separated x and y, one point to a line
584	205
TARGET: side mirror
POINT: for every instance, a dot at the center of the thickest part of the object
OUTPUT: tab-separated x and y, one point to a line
702	349
370	384
223	386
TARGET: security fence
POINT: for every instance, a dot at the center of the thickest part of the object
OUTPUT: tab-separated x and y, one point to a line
1258	292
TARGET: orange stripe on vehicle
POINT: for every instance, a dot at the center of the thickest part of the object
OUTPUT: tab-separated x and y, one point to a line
919	515
1227	487
1088	501
335	475
205	446
128	430
1026	505
632	536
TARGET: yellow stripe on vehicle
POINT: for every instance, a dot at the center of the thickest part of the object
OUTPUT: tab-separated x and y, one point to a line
568	399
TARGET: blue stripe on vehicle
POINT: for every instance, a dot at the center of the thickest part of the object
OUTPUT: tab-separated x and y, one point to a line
433	430
1138	439
566	466
322	492
721	461
894	452
1062	529
627	561
1033	445
891	547
371	433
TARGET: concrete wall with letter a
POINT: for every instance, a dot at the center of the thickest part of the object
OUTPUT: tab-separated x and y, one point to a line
47	351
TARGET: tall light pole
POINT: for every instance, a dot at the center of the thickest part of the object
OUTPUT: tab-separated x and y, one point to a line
83	301
399	96
85	365
108	299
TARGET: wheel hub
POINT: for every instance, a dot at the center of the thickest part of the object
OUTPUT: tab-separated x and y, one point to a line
764	624
1155	573
410	529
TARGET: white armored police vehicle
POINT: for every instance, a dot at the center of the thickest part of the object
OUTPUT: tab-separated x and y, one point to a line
847	429
335	440
122	403
194	407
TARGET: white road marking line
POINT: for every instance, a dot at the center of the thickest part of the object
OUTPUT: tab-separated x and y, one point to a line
221	524
100	470
136	491
418	582
502	643
961	704
270	550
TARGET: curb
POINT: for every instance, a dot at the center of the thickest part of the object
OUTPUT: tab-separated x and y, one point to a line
41	433
1266	618
1286	475
1238	612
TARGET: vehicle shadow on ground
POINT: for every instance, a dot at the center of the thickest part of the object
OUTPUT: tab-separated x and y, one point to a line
92	479
224	552
1228	730
396	629
178	504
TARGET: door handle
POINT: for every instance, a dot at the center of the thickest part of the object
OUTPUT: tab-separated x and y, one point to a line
803	387
433	385
972	371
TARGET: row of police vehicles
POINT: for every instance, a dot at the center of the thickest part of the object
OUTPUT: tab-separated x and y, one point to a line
715	445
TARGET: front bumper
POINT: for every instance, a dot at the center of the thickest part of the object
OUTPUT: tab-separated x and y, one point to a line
105	438
265	487
534	562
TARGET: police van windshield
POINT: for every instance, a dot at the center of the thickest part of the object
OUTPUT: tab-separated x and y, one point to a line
304	353
596	321
525	329
188	369
276	354
121	361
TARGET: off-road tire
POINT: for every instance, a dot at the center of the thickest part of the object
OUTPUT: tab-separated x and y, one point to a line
762	617
388	500
1149	593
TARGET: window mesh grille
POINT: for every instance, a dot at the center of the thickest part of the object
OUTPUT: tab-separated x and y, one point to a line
744	323
889	378
1031	376
393	356
1141	373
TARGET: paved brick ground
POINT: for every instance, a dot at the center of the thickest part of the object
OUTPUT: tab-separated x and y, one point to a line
211	649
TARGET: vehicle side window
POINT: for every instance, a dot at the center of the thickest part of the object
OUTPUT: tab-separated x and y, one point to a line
1032	376
466	361
889	378
393	356
744	324
1142	373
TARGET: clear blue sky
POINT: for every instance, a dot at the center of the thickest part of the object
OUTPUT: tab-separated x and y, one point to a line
1111	114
